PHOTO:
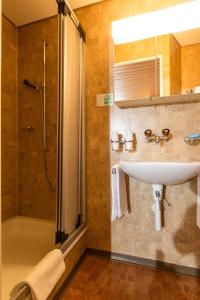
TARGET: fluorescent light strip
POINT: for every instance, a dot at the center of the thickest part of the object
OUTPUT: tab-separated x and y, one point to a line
169	20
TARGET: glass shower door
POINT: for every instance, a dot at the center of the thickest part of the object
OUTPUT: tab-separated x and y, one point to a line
71	142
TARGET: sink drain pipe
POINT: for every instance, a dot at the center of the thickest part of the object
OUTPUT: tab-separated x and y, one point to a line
156	206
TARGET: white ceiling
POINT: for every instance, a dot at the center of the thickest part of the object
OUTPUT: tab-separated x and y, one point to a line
22	12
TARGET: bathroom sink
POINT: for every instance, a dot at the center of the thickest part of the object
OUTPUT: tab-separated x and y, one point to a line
161	172
158	174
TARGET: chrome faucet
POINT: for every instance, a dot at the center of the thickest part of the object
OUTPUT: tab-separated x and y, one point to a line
151	137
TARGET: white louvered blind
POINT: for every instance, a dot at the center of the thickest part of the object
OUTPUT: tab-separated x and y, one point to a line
137	80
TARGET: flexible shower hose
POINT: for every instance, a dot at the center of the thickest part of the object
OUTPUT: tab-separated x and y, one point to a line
44	150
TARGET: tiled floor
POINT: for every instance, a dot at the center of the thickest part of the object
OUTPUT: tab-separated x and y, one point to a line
99	278
25	241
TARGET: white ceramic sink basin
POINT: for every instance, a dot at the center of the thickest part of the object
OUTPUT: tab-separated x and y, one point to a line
161	172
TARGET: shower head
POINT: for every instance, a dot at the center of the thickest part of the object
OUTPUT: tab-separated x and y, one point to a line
28	83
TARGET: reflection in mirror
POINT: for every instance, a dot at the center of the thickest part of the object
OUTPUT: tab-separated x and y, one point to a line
160	66
159	59
29	89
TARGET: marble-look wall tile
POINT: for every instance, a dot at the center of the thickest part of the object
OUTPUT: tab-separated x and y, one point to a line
179	241
9	121
34	197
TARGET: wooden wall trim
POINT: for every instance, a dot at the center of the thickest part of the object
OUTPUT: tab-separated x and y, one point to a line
146	262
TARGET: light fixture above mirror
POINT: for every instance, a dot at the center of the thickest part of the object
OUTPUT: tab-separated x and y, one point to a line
173	19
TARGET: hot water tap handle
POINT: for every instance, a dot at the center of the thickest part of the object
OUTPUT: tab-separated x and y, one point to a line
166	131
148	132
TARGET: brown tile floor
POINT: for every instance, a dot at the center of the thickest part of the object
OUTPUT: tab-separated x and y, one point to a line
99	278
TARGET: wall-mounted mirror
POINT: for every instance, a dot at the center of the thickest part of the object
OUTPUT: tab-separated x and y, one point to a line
160	66
156	66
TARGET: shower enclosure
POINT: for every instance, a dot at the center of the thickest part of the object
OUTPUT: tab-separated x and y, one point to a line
42	133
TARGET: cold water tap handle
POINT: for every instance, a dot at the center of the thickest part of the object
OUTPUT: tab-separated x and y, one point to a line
166	131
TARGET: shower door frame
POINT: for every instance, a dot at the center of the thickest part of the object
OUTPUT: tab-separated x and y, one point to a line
64	11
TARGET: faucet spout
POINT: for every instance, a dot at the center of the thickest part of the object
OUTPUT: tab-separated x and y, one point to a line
157	139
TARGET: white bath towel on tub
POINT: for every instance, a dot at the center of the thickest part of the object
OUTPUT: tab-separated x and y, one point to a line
43	277
119	193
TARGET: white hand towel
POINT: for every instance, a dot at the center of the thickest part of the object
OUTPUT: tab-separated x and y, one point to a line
119	193
43	277
198	201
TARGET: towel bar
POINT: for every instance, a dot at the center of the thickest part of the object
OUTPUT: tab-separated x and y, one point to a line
23	294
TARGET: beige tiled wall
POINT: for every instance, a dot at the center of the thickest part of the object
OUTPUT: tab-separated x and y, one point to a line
9	111
179	241
34	197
